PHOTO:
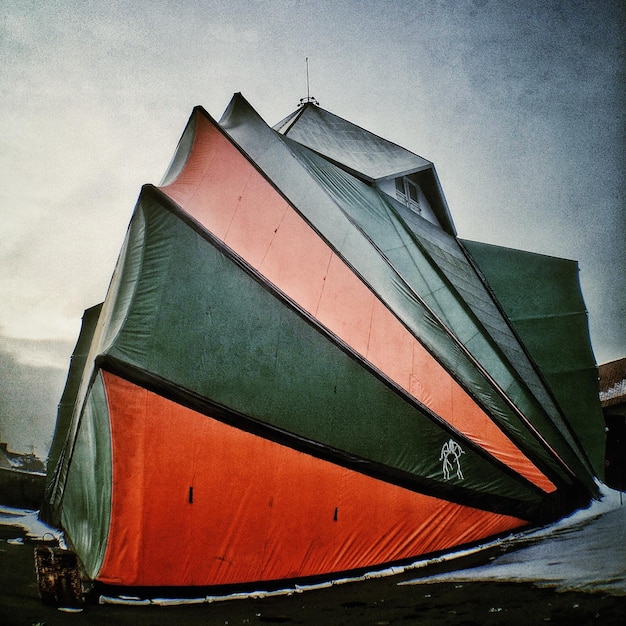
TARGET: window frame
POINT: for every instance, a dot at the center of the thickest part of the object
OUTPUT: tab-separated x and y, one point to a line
407	191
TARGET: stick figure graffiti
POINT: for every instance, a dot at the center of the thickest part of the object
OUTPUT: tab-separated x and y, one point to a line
450	456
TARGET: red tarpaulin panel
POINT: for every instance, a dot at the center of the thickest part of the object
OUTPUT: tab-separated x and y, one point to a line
199	502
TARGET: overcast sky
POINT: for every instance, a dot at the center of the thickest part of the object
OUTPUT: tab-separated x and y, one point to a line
520	105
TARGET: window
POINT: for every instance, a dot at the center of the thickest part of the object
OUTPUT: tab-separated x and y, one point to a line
406	192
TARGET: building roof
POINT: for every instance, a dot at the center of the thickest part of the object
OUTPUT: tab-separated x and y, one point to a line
612	382
353	147
363	154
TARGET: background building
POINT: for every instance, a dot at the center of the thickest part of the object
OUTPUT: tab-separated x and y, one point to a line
613	402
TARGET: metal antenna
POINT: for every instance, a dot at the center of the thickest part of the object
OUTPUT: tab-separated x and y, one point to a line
309	97
308	93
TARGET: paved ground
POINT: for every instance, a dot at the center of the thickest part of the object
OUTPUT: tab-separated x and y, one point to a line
375	602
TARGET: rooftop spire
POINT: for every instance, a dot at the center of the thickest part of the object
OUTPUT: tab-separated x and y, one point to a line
309	97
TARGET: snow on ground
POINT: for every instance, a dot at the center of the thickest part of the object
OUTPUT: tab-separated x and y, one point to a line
28	521
585	552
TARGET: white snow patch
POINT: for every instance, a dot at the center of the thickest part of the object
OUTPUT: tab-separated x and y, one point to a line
29	521
585	551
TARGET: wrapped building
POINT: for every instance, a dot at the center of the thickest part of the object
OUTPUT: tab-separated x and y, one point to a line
300	370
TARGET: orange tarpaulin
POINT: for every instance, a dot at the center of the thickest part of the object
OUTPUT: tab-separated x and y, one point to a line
198	502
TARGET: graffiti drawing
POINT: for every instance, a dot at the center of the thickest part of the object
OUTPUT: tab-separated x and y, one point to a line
450	456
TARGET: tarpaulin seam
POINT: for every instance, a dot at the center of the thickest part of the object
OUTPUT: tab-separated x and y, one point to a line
237	208
269	247
319	300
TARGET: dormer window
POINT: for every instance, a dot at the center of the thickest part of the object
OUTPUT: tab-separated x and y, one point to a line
406	192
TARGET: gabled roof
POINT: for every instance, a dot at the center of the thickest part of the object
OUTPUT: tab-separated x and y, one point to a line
363	154
356	149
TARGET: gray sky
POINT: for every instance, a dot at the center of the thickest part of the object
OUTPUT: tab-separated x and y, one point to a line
519	104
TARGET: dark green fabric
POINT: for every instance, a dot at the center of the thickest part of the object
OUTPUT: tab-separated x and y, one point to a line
198	320
86	508
72	385
112	315
541	296
107	323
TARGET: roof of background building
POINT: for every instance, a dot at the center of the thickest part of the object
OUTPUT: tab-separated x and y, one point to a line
612	382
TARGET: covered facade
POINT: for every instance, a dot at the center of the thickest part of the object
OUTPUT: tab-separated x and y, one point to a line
613	403
300	370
